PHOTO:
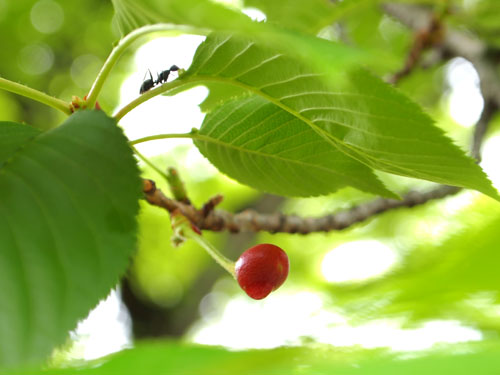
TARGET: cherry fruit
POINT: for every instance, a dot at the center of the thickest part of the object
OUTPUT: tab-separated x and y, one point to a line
261	270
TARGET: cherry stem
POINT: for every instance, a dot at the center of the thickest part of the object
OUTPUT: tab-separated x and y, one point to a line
226	263
148	95
182	227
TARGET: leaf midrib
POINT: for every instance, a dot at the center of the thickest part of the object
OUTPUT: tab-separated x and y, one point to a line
198	78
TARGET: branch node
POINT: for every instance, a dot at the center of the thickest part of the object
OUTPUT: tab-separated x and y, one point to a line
209	206
149	186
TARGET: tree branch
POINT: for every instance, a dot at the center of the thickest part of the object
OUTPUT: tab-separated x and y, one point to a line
489	110
424	39
454	43
252	221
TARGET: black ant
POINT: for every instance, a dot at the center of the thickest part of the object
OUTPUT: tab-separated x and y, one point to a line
148	84
163	76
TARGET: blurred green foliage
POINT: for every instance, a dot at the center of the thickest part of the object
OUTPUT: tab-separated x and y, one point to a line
447	251
481	17
164	358
56	47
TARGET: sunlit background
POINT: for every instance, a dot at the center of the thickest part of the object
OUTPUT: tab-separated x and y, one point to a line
293	315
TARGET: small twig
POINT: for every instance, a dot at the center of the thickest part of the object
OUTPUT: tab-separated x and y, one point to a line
455	43
489	110
210	205
424	39
252	221
177	186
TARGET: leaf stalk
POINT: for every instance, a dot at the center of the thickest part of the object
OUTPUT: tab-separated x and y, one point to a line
36	95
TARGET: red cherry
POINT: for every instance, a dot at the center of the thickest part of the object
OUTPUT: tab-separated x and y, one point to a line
261	270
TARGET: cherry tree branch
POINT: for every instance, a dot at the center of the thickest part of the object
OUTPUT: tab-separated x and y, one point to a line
425	38
252	221
454	43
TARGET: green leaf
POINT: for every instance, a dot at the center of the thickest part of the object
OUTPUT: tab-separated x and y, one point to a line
315	15
323	54
12	137
483	18
295	14
366	119
67	228
260	144
166	358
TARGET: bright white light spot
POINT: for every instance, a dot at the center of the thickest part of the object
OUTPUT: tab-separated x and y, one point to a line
47	16
431	229
490	160
200	168
235	4
470	4
458	203
161	53
465	101
357	260
388	333
288	318
107	329
210	305
255	14
162	114
278	320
